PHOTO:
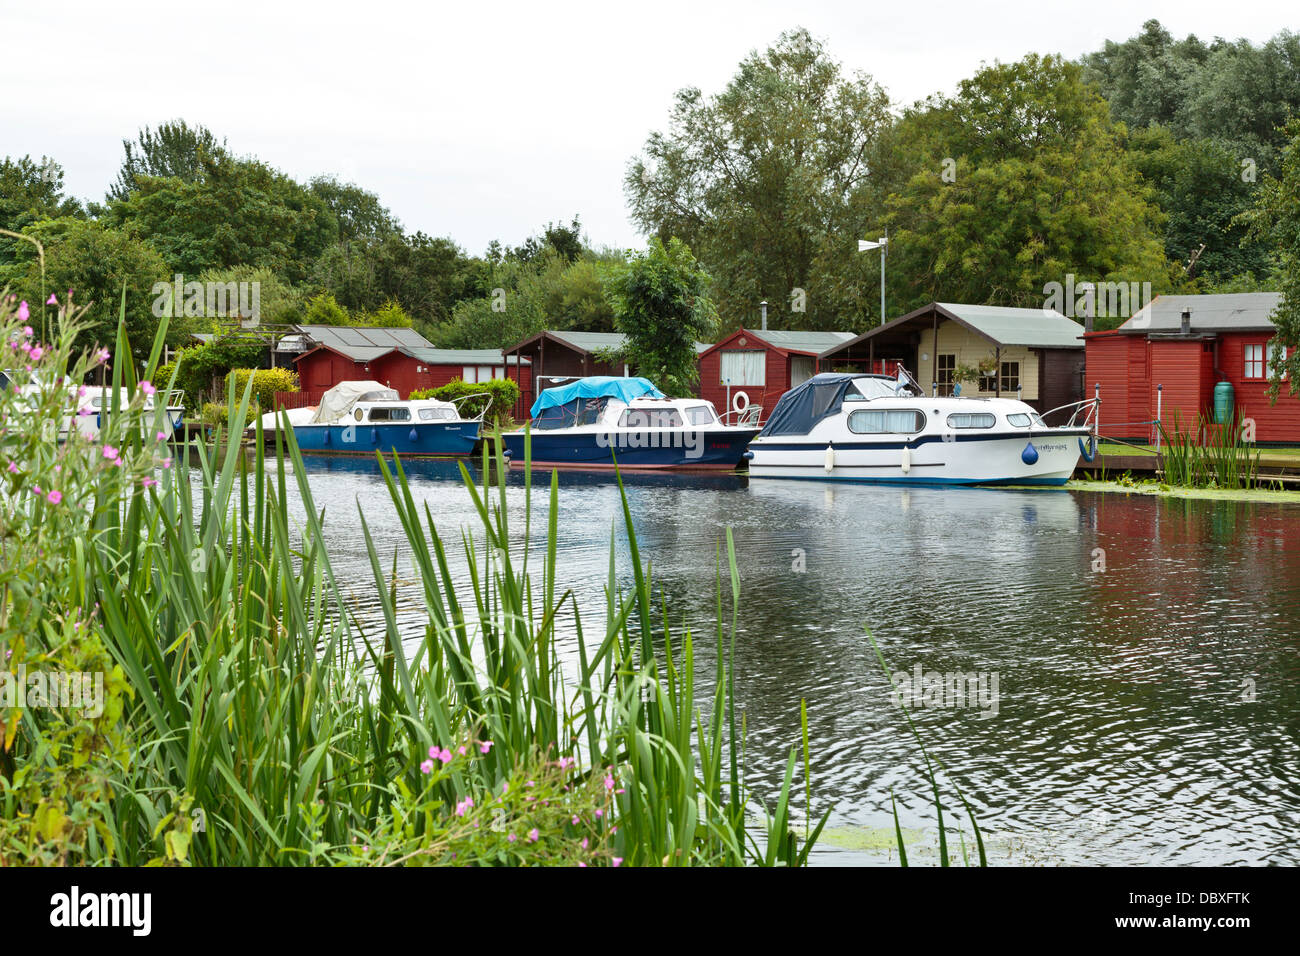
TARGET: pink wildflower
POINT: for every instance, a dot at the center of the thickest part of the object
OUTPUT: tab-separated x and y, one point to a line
110	452
464	805
36	353
13	468
533	835
149	482
147	387
27	331
54	497
485	746
618	861
426	767
102	356
52	300
162	436
24	313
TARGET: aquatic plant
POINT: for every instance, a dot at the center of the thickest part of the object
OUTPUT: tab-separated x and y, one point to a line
251	720
1202	454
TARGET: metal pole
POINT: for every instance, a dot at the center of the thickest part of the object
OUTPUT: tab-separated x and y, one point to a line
1160	396
883	246
764	305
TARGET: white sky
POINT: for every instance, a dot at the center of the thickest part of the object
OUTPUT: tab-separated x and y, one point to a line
482	121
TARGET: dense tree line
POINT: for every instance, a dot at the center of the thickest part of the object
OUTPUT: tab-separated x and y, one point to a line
1149	160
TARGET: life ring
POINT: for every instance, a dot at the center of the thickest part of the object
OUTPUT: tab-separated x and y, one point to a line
735	401
1089	451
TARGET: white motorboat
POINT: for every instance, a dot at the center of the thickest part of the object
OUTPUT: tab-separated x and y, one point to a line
856	427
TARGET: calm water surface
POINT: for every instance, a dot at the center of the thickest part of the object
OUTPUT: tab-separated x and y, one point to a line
1147	650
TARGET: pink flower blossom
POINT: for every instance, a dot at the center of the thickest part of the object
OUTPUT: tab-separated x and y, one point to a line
167	463
533	835
36	353
618	861
511	838
110	452
464	805
13	468
101	356
609	781
52	300
147	387
485	746
54	497
462	751
444	754
24	313
149	482
162	436
27	331
426	767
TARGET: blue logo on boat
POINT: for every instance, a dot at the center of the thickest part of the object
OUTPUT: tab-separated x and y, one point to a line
1030	455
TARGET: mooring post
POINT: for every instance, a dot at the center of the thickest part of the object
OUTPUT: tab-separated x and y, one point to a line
1160	395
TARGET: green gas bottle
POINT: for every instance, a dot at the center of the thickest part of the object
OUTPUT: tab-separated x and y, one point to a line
1223	403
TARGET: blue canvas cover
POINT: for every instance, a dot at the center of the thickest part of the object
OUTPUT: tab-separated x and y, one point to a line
596	386
807	404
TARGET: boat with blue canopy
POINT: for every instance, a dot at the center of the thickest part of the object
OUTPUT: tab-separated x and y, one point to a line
600	420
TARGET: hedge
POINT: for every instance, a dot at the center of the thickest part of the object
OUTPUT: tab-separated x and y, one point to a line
502	394
266	382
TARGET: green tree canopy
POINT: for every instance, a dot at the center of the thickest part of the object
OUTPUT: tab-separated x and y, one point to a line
771	182
1017	180
661	303
175	150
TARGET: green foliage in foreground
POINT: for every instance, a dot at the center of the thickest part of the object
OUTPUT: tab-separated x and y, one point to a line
252	720
497	396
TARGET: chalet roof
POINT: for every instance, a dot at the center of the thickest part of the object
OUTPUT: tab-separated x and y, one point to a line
590	341
363	343
464	356
793	340
1000	325
1230	312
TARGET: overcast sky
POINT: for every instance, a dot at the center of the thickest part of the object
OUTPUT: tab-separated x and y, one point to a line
478	120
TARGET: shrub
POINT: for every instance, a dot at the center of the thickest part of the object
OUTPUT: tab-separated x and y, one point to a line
500	398
266	382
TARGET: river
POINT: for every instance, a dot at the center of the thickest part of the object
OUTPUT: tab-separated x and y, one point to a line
1139	657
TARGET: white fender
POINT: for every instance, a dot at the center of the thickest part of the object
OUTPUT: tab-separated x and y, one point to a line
829	463
907	460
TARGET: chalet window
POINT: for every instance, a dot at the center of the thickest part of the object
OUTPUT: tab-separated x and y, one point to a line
801	369
743	368
871	421
1010	376
481	373
1276	356
1254	361
988	381
945	373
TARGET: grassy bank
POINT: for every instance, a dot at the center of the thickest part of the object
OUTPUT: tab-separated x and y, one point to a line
1137	487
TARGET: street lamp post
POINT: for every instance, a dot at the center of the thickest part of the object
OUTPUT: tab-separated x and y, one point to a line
865	245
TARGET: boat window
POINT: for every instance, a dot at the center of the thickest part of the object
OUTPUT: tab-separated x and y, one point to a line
651	418
1025	419
971	420
580	411
436	414
875	421
701	415
390	414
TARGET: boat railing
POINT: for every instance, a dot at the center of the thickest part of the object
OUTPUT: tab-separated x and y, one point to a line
465	398
1087	408
749	415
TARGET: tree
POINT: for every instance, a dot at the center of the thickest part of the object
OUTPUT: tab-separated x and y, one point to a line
360	214
29	192
235	212
661	303
771	182
1017	181
96	262
1277	214
175	151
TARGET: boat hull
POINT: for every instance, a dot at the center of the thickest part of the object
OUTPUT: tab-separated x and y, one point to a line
415	440
651	450
929	459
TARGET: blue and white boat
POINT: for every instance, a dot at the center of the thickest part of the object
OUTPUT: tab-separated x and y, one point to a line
852	427
360	418
598	421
